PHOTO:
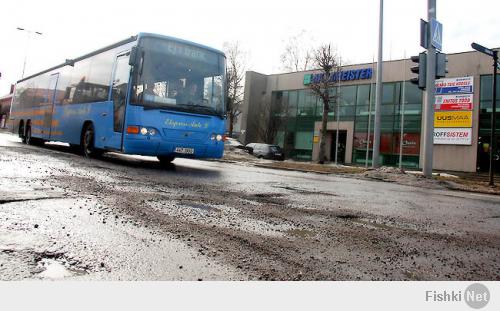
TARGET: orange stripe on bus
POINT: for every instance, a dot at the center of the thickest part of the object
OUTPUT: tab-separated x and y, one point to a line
37	122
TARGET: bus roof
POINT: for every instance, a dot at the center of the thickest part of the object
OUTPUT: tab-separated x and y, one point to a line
122	42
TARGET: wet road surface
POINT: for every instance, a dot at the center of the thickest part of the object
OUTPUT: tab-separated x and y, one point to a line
126	218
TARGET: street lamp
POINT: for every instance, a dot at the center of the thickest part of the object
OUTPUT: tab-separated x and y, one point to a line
30	32
494	55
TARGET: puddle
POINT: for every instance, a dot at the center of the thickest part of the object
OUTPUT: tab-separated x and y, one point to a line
267	198
56	270
300	233
202	207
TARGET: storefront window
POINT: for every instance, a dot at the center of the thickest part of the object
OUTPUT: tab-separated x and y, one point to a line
292	103
304	140
298	110
307	103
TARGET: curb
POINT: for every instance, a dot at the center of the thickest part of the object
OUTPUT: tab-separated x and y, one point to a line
293	169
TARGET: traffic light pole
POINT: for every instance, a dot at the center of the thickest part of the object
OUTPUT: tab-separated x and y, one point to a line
493	143
430	94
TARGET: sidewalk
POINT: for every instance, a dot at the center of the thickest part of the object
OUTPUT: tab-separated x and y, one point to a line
471	182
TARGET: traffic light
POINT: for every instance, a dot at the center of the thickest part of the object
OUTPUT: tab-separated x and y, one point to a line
419	69
441	65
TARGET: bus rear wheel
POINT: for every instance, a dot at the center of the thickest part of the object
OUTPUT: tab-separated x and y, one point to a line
88	138
27	137
30	140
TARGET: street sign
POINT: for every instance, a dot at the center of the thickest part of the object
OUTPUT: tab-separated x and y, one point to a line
424	34
482	49
436	34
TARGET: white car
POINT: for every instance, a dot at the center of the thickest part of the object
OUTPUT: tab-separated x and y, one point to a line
231	142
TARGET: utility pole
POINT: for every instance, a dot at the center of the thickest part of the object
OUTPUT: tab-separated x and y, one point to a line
430	94
402	120
369	117
30	32
493	120
378	100
337	112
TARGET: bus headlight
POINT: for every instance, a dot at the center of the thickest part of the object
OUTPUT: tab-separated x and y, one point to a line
212	137
218	137
152	132
144	131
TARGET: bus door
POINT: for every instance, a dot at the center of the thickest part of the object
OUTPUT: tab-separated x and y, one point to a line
48	122
119	90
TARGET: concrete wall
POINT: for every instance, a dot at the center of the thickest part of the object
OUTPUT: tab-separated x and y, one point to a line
254	102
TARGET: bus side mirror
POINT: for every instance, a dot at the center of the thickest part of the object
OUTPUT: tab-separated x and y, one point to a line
133	56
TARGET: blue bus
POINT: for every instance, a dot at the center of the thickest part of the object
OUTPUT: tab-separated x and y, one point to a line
148	95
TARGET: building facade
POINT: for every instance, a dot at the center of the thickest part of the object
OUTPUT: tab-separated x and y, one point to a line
281	109
5	102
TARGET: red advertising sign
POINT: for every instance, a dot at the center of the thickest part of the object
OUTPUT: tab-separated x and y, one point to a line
389	143
454	102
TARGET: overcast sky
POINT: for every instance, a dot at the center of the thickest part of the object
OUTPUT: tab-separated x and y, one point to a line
72	28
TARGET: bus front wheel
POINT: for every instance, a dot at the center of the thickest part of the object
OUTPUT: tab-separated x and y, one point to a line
88	139
165	160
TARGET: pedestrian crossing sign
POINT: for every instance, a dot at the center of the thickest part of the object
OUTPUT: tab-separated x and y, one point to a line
436	34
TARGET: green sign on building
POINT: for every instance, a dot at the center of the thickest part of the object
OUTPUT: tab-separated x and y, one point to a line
307	79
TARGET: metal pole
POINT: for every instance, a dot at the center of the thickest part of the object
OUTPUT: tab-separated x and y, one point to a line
430	93
402	111
30	32
376	131
26	53
337	112
368	131
493	120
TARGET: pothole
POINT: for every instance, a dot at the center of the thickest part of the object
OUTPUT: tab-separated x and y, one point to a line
348	216
54	266
300	233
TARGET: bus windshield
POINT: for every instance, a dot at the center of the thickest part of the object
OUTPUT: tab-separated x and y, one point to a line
178	76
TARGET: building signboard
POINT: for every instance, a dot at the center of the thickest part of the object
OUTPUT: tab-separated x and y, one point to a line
453	136
452	119
455	85
344	75
454	102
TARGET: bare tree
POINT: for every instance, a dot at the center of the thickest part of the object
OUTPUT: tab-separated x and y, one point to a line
271	120
298	53
235	74
326	60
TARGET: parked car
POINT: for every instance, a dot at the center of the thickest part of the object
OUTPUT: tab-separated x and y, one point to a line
265	151
232	143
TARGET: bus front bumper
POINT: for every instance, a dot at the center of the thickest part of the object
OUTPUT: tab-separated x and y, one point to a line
151	146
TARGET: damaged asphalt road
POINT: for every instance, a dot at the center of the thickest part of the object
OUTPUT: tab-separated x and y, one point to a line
125	218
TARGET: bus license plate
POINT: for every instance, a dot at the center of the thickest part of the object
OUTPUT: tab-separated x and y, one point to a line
184	150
